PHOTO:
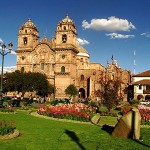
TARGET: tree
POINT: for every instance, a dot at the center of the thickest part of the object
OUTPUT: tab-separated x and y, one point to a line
27	82
71	90
110	94
13	82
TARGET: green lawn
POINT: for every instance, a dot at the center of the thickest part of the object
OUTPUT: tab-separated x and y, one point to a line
45	134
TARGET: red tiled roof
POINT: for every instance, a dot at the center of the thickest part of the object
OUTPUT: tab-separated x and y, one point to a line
143	74
142	82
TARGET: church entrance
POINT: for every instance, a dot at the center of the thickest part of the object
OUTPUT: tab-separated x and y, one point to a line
82	93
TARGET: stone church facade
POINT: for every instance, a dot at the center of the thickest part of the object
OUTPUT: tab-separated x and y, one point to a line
62	59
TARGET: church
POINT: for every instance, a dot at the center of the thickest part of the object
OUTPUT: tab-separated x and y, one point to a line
61	58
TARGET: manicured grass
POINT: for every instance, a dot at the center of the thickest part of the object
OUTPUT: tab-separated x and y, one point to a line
44	134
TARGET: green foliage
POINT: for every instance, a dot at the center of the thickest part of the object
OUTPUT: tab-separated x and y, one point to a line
27	82
134	101
71	90
62	101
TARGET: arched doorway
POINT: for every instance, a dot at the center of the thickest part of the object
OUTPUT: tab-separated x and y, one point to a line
81	93
147	97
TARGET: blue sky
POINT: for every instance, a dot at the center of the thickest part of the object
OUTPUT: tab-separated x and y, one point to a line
104	27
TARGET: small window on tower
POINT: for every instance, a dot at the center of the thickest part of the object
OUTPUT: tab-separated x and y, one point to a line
25	31
63	56
23	57
64	38
82	77
62	69
25	40
64	27
22	69
81	59
42	66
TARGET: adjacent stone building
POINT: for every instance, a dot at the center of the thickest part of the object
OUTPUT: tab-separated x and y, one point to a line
62	59
114	72
141	85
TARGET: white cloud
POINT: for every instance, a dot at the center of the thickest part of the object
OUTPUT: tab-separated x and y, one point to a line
82	41
146	34
1	41
119	36
111	24
13	52
8	69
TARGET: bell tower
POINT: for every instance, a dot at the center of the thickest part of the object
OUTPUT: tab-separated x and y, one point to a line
66	32
27	36
65	55
27	39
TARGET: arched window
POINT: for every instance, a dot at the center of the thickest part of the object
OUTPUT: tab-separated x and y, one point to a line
22	69
62	69
42	66
25	40
64	38
82	77
64	27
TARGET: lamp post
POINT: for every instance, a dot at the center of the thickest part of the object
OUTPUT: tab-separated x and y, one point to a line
3	53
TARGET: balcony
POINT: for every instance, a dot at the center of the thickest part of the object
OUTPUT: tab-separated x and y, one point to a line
146	91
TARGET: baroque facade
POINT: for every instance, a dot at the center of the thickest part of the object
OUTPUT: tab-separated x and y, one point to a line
62	59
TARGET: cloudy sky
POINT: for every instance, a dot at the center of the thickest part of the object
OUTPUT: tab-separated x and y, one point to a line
105	27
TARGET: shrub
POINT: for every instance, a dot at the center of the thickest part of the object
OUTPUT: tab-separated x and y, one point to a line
134	101
6	128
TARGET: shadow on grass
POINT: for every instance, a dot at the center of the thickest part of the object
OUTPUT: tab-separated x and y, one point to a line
107	128
138	141
74	137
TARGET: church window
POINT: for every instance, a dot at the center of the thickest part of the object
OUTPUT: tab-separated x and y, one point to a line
82	77
81	59
25	31
53	66
25	40
64	27
64	38
22	69
62	69
23	57
42	66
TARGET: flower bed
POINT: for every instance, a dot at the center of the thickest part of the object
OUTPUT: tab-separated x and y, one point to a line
7	109
144	111
145	114
6	128
76	111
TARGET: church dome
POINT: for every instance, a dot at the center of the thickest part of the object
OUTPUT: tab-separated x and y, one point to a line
29	24
82	51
